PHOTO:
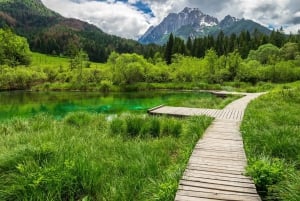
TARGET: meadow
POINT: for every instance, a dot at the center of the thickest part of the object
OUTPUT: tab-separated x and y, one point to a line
92	157
271	133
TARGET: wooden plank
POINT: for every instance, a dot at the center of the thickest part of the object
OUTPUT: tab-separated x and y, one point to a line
218	196
229	156
232	170
218	181
215	191
219	176
222	158
219	160
218	187
188	198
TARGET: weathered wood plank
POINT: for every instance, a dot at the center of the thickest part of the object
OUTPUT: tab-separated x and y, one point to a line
216	191
188	198
220	182
218	187
218	196
213	169
215	176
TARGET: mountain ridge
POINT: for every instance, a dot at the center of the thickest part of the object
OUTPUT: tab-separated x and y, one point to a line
49	32
192	22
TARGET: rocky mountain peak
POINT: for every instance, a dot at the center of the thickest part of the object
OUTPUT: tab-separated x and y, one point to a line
192	22
228	21
188	18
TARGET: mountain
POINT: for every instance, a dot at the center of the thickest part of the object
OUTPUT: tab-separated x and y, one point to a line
230	25
50	33
191	22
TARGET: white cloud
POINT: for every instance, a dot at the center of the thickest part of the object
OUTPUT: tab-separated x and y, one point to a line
112	17
123	19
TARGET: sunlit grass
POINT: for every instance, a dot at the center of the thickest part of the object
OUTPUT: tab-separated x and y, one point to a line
271	133
93	157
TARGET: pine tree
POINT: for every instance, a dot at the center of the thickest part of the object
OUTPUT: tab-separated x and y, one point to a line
169	50
189	46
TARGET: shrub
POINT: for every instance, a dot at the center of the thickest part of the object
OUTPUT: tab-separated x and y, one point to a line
117	126
171	127
134	125
78	119
265	173
154	129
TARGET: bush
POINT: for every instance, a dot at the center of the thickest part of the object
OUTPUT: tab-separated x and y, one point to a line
171	127
78	119
265	173
117	126
154	129
134	125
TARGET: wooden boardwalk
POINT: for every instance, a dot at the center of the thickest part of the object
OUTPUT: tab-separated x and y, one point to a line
216	169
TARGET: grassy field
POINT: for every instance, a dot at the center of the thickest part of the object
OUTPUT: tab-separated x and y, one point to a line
271	132
94	157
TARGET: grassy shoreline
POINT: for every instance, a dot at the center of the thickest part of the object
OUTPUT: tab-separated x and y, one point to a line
271	136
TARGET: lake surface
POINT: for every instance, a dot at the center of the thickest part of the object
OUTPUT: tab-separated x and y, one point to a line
26	104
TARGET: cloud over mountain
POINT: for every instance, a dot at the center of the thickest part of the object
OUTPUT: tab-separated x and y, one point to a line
131	18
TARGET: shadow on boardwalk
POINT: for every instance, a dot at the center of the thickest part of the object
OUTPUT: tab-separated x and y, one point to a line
216	168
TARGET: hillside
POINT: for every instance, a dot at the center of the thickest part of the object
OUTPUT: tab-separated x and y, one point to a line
191	22
50	33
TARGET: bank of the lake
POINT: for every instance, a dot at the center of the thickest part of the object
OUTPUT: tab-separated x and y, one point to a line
58	104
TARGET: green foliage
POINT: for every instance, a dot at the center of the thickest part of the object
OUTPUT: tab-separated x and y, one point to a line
289	51
14	50
169	50
271	130
128	68
289	189
171	127
134	125
265	54
19	78
80	119
266	173
63	162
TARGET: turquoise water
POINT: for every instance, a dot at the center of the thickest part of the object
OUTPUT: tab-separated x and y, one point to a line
26	104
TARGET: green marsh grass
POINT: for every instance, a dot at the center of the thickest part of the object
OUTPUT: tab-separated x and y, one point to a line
271	132
92	157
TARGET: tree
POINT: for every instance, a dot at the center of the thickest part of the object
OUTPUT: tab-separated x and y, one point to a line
289	51
211	58
128	68
80	60
169	50
14	50
234	60
265	54
189	46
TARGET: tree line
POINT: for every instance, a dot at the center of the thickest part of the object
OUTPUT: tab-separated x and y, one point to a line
223	45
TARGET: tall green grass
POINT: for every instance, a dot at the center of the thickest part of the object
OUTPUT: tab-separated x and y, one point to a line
271	132
95	157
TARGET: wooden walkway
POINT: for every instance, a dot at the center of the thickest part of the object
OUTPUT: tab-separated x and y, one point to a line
216	169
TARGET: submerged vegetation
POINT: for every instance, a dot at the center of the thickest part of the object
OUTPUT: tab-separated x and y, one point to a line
271	133
92	157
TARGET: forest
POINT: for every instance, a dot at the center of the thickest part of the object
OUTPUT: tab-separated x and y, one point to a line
236	61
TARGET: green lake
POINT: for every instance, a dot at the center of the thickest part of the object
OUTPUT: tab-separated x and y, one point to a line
26	104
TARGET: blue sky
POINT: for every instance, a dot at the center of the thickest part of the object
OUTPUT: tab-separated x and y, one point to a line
132	18
140	6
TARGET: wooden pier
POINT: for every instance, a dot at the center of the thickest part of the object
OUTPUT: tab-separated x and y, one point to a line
216	168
